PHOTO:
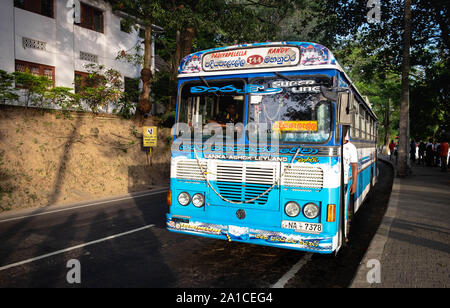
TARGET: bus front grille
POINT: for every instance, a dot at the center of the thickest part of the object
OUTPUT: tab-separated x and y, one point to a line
304	176
243	182
243	192
190	170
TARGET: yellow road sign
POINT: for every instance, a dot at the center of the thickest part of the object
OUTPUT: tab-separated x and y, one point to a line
150	136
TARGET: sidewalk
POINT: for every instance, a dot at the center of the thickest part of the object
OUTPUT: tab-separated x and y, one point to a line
412	243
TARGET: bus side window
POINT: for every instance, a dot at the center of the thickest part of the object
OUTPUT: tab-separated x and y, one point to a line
371	129
367	126
355	122
362	116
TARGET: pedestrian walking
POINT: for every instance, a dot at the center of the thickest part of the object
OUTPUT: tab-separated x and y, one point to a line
391	149
444	155
429	153
412	151
422	147
435	153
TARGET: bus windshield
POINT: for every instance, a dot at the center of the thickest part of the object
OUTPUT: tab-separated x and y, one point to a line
297	113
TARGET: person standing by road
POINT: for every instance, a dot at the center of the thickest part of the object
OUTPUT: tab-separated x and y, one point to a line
444	155
422	148
429	153
350	157
412	151
391	149
435	154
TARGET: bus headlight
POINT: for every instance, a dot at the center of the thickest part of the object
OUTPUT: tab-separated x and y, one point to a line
198	200
311	210
184	198
292	209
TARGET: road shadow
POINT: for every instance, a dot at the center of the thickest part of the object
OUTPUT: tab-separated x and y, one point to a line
73	137
128	260
329	271
143	177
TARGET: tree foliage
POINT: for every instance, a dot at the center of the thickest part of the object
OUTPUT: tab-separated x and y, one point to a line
370	52
7	86
379	54
33	88
100	87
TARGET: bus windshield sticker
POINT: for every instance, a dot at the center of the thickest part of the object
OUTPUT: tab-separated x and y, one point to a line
298	86
249	88
297	126
314	54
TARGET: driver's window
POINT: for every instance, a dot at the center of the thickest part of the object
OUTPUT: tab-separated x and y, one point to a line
211	102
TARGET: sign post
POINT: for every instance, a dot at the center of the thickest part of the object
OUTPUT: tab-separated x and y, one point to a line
150	139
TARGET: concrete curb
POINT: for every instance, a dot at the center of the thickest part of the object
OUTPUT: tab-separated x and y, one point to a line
39	210
376	246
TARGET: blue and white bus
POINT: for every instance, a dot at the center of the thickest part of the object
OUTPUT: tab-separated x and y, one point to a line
257	151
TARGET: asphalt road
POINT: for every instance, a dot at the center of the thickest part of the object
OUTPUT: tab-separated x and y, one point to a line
124	243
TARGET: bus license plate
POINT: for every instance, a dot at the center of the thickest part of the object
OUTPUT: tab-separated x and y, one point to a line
301	226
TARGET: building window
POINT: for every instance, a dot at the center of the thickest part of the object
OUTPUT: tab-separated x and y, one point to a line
91	18
36	69
43	7
80	80
83	79
131	89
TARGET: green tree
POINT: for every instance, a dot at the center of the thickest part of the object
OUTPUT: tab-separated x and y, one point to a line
33	88
99	87
143	14
400	48
64	98
403	142
7	91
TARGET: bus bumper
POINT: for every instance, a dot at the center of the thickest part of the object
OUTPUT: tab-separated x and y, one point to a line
277	237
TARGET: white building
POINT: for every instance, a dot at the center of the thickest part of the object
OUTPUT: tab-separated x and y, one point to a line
56	38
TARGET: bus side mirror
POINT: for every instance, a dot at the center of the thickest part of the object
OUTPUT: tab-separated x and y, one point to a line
345	108
329	94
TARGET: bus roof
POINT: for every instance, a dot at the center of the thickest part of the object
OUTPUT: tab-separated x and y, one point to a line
257	57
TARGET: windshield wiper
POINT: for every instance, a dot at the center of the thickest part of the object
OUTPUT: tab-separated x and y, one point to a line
282	76
206	83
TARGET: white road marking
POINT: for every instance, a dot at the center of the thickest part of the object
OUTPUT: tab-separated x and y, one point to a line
74	247
84	205
291	273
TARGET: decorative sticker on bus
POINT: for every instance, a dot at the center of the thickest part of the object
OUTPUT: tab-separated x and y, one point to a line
192	64
308	159
314	54
233	233
298	86
263	57
246	157
247	149
249	88
295	126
